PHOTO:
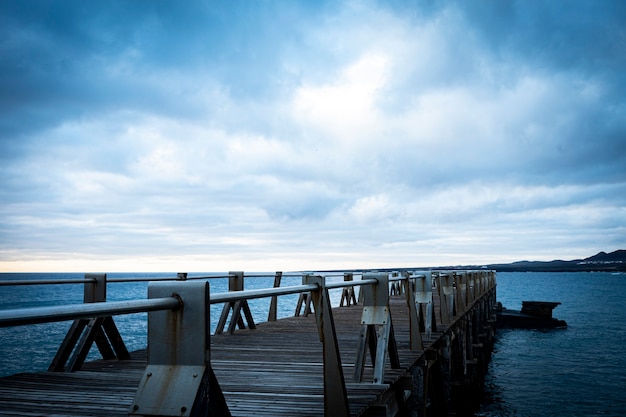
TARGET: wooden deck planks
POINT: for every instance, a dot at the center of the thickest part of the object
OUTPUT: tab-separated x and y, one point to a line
275	370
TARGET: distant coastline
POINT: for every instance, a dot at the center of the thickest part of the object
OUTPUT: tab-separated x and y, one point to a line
601	262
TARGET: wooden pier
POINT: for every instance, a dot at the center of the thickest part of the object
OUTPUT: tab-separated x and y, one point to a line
281	368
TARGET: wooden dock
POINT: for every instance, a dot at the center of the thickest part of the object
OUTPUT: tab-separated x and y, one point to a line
277	369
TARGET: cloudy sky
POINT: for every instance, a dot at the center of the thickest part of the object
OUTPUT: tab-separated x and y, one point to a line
290	135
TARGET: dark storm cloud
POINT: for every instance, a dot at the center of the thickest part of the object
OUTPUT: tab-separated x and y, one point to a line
75	59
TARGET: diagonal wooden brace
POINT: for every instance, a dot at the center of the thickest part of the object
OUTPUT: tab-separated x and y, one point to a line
83	333
347	294
235	283
304	305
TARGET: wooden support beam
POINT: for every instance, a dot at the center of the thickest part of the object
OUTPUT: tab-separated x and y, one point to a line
335	394
271	316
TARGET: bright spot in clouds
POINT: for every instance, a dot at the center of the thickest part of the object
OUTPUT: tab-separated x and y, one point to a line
258	136
345	108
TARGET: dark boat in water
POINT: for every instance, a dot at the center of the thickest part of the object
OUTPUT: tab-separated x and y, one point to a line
534	315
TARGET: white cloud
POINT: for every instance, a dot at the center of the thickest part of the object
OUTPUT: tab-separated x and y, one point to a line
345	108
373	209
370	138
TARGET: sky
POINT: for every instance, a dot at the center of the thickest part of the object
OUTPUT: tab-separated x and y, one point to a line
307	135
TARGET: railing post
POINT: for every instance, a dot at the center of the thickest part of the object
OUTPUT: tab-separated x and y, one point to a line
445	285
95	291
460	278
347	294
84	332
416	342
396	286
376	329
179	380
480	284
335	394
235	283
471	287
424	298
271	316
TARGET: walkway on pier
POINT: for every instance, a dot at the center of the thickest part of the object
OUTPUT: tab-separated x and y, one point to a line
277	368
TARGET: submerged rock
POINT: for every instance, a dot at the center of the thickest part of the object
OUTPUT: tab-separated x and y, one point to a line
534	315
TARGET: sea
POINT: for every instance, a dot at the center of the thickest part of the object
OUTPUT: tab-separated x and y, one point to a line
577	371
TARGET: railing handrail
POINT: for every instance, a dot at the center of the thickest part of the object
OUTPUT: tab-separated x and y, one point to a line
37	315
55	281
294	289
178	278
223	297
87	310
19	282
189	278
356	283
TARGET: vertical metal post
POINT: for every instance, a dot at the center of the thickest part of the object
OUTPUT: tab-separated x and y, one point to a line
179	380
480	284
335	394
471	287
96	291
424	297
376	329
460	279
416	342
445	285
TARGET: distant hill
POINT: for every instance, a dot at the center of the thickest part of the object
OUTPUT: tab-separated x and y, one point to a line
614	261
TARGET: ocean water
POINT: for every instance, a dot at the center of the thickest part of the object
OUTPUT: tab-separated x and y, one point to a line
578	371
32	348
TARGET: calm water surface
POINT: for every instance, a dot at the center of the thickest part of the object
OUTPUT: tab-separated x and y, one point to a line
578	371
31	348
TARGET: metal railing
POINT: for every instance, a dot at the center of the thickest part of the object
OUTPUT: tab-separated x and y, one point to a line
180	343
36	315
